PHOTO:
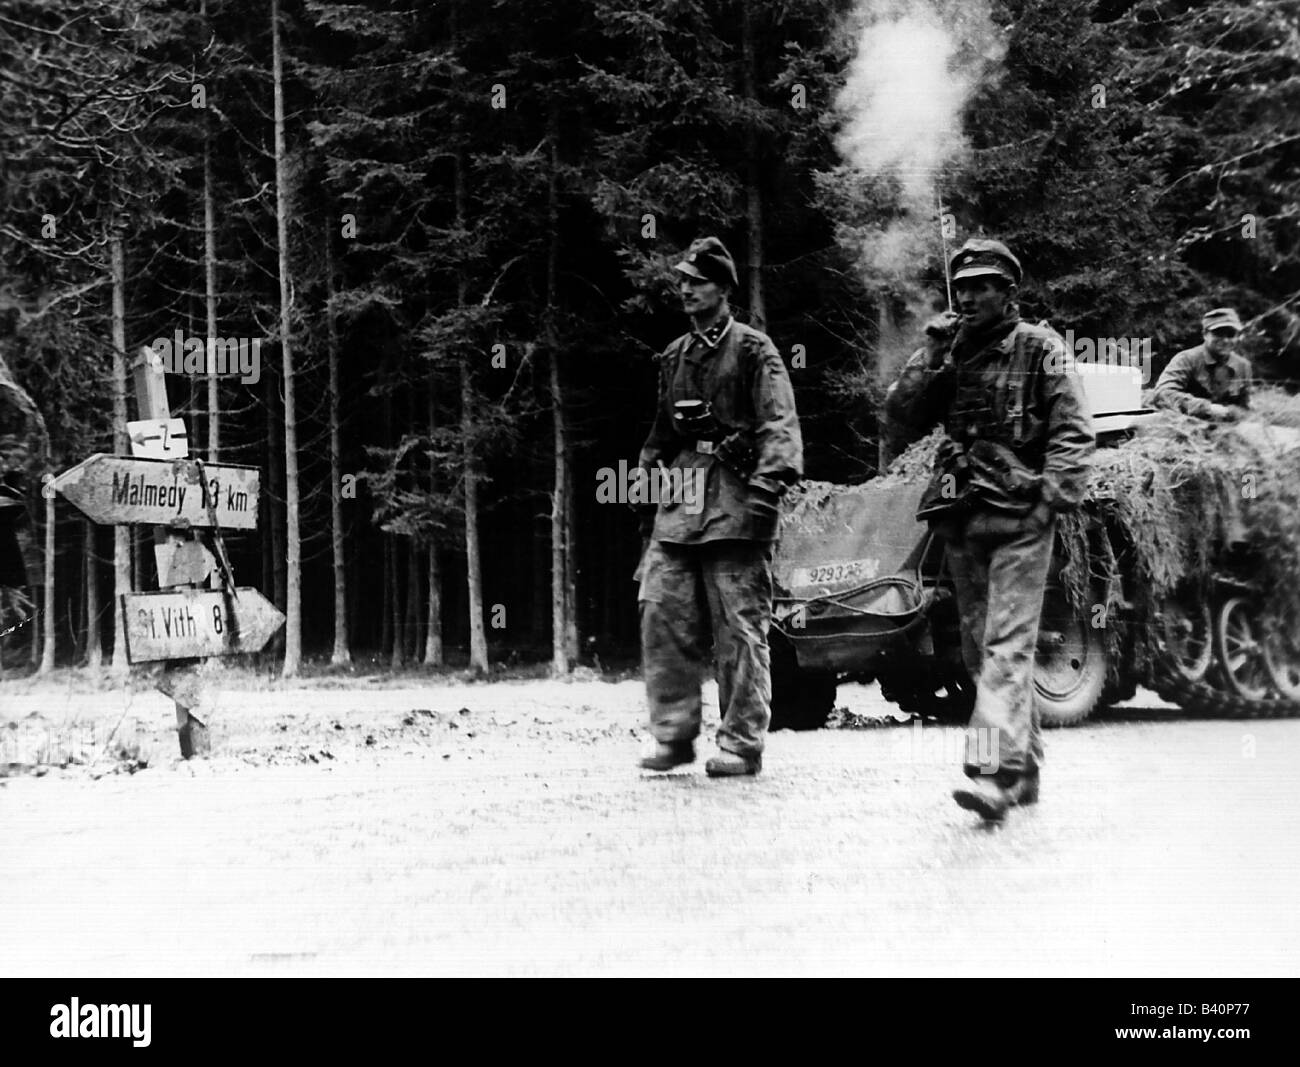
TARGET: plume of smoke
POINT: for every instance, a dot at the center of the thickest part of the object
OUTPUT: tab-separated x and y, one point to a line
901	103
915	67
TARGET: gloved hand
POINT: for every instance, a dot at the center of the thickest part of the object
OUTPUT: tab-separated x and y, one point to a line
1224	413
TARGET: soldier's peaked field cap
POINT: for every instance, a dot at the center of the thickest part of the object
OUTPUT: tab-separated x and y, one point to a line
708	258
1221	318
981	255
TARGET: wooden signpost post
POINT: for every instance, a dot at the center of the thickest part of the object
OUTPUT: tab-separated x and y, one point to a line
159	485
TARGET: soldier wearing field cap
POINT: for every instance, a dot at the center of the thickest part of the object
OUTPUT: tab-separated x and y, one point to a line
1210	380
725	422
1016	454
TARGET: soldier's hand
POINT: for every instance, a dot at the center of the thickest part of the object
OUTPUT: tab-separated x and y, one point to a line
939	332
1223	413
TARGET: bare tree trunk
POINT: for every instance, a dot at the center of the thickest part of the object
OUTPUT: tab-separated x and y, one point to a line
398	655
121	534
94	647
342	652
275	514
386	634
478	653
418	625
539	536
570	563
264	523
753	177
412	639
293	563
559	543
411	646
433	623
521	548
210	296
561	600
47	614
392	546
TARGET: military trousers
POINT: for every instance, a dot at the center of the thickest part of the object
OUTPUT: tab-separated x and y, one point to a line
999	565
693	596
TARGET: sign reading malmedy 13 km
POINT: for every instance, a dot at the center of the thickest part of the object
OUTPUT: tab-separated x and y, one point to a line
116	489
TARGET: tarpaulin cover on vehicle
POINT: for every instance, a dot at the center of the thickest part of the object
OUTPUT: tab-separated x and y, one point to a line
845	570
850	536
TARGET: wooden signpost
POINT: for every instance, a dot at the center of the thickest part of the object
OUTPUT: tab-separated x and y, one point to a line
158	485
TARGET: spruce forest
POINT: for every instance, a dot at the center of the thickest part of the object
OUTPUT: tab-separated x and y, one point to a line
449	227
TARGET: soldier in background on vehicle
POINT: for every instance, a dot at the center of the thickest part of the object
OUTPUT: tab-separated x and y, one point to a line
1210	380
726	420
1017	452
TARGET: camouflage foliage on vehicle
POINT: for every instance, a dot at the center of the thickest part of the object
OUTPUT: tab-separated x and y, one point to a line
1176	498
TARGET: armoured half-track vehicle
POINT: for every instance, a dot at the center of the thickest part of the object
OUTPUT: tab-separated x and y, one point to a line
863	594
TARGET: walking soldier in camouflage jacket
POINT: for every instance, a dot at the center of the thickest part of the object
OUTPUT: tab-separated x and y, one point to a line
1019	441
725	424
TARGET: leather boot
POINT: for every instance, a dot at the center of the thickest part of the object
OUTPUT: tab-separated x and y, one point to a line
1024	790
983	795
668	755
729	765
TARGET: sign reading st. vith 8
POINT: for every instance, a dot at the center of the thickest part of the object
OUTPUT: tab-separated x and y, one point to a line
188	623
115	489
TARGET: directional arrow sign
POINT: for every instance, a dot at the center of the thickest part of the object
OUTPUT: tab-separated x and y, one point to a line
158	438
115	489
195	622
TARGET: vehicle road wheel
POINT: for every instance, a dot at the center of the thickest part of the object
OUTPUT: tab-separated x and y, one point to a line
1185	638
1240	652
1071	666
1282	659
801	700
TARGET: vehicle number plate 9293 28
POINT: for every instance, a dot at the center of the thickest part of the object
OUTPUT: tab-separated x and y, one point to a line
856	570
